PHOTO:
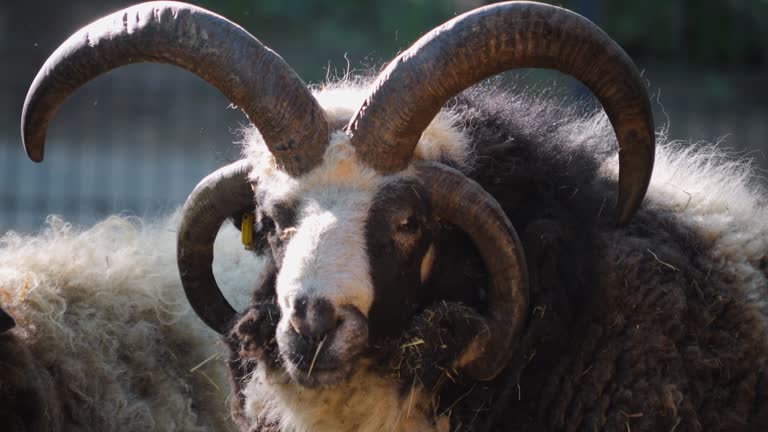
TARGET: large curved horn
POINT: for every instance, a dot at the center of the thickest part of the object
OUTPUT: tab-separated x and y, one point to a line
223	193
489	40
249	74
467	205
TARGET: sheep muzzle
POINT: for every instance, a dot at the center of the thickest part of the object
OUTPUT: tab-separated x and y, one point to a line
318	344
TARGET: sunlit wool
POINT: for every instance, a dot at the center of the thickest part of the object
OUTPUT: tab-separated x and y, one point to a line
103	315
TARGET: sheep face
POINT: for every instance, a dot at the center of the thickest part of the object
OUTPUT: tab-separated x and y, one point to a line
350	248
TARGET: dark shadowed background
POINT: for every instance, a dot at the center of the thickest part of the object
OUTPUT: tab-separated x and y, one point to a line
138	139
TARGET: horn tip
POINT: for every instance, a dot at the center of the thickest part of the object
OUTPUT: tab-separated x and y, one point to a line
626	209
36	157
35	151
32	134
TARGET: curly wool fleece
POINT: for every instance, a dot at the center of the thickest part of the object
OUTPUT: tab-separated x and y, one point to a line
112	342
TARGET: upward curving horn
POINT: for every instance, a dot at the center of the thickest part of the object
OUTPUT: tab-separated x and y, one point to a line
411	90
249	74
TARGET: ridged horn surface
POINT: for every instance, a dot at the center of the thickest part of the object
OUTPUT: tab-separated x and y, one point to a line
486	41
222	53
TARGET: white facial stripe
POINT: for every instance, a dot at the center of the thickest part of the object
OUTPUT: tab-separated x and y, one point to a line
327	255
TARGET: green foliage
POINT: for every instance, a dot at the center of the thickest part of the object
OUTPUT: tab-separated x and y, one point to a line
697	31
311	34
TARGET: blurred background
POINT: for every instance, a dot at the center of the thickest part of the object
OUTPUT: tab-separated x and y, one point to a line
138	139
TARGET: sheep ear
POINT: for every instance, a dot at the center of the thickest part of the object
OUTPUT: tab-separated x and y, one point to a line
6	321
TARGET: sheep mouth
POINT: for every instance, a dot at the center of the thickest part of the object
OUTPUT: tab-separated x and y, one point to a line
325	362
319	365
318	372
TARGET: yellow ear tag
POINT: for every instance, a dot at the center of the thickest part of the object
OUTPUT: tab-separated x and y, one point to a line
246	230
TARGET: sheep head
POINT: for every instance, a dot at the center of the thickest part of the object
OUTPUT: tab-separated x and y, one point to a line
347	215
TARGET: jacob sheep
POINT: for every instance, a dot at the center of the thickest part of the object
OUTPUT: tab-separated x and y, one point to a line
397	294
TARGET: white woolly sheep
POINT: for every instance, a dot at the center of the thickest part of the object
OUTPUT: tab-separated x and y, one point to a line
105	339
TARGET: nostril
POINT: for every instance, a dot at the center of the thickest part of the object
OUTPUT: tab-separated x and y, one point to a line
300	307
314	318
339	322
306	332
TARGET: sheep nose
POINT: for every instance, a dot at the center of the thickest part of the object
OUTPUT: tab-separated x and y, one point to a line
313	318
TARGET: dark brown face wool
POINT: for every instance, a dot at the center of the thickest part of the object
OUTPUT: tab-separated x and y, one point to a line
429	352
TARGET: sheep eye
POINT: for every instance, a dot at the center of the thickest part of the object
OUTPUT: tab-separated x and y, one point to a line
409	225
